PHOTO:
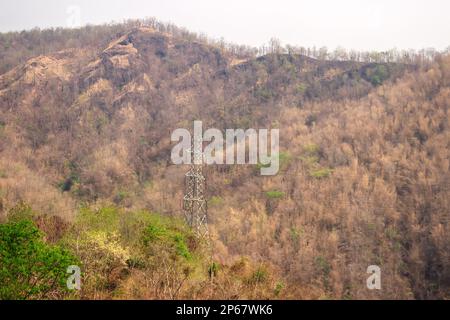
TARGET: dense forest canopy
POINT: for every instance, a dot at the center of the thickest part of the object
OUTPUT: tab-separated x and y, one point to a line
85	122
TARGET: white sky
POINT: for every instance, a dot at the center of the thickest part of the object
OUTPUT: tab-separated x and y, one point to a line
353	24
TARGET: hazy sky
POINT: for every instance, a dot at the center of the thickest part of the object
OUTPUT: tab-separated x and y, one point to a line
353	24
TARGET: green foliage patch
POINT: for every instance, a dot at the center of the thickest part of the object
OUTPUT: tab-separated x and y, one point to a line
377	75
320	173
168	234
30	268
274	194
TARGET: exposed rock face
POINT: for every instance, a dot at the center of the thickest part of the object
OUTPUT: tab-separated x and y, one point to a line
36	71
158	75
118	63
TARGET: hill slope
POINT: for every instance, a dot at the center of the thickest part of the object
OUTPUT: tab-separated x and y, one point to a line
365	155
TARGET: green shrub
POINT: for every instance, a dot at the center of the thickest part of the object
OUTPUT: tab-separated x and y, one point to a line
72	179
213	269
323	265
163	234
311	157
120	196
278	288
259	165
154	232
311	149
263	94
392	234
136	263
301	88
30	268
310	160
274	194
295	234
215	201
104	219
181	246
127	225
260	275
285	159
311	154
377	75
320	173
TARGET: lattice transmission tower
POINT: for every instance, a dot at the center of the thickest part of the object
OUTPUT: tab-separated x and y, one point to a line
194	202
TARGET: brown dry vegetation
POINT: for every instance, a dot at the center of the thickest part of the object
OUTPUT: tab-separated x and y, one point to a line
364	177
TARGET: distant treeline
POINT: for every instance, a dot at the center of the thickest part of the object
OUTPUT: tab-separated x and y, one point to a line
17	47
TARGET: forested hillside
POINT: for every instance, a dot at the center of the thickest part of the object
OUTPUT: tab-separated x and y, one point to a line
85	122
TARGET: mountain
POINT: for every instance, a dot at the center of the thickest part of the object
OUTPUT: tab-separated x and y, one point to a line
364	178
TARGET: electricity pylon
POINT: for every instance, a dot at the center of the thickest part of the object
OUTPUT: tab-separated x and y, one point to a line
194	202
